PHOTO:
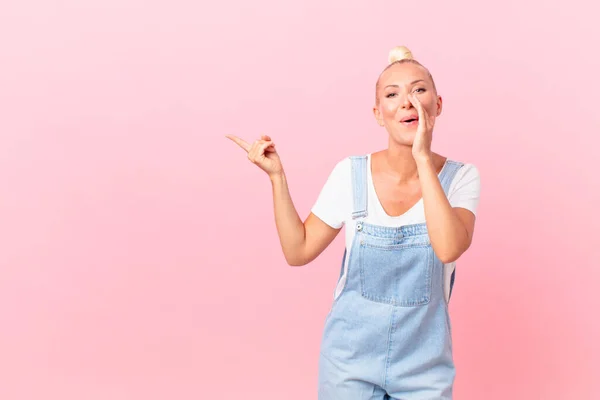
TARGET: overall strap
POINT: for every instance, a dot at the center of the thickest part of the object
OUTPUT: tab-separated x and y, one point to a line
448	174
359	186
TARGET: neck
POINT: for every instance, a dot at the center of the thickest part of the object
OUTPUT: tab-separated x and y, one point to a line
400	162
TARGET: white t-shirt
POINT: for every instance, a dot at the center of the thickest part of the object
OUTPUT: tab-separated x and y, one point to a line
334	206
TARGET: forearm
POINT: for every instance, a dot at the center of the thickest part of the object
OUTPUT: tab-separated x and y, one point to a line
290	227
449	236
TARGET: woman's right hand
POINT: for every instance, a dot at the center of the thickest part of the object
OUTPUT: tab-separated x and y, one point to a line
262	153
301	242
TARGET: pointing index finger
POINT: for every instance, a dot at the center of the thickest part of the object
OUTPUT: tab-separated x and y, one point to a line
240	142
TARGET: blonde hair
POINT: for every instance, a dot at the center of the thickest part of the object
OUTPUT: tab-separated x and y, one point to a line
400	55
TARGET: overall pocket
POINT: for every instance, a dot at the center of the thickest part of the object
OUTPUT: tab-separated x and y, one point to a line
396	271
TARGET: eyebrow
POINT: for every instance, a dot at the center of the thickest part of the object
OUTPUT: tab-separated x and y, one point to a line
412	83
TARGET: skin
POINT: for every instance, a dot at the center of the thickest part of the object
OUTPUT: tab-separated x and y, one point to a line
402	174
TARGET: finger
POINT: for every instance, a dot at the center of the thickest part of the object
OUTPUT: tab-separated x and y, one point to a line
240	142
415	102
263	146
258	150
426	119
263	149
252	154
431	121
265	138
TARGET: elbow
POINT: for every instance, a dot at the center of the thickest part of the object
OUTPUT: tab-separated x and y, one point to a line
450	251
297	256
450	255
295	261
448	258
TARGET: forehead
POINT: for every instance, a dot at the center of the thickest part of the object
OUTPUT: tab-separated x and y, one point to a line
403	74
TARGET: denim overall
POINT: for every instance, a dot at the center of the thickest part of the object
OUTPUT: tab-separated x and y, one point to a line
387	335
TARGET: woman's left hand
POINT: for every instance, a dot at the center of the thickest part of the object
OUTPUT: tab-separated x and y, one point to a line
421	149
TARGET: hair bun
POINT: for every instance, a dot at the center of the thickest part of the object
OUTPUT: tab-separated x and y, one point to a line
399	53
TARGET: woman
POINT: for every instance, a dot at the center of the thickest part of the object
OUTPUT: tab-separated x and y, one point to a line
409	215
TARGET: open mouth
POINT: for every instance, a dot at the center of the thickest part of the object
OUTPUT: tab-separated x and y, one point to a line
409	120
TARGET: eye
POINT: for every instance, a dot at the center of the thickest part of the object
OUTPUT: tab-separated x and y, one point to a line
420	90
390	95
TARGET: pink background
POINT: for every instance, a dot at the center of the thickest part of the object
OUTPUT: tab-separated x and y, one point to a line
139	258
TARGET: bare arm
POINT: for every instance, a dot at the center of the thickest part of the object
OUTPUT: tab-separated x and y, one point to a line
450	229
301	242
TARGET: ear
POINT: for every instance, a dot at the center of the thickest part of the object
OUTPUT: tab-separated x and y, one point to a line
439	106
377	115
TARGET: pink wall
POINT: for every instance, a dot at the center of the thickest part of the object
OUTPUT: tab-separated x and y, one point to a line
139	259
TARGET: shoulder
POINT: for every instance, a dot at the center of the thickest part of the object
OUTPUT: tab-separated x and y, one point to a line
341	173
466	181
343	167
466	172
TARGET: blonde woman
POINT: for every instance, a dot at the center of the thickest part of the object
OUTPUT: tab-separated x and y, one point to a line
409	215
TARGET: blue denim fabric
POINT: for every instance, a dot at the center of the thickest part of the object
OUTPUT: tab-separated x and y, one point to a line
388	333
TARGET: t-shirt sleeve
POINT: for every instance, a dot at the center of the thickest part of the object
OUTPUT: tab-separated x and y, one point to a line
465	188
332	203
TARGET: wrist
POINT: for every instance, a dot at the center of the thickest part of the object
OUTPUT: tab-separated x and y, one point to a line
277	177
424	161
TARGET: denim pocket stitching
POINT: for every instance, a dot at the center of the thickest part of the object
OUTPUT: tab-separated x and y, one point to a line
423	300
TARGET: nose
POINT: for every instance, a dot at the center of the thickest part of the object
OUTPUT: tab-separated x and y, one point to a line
406	104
